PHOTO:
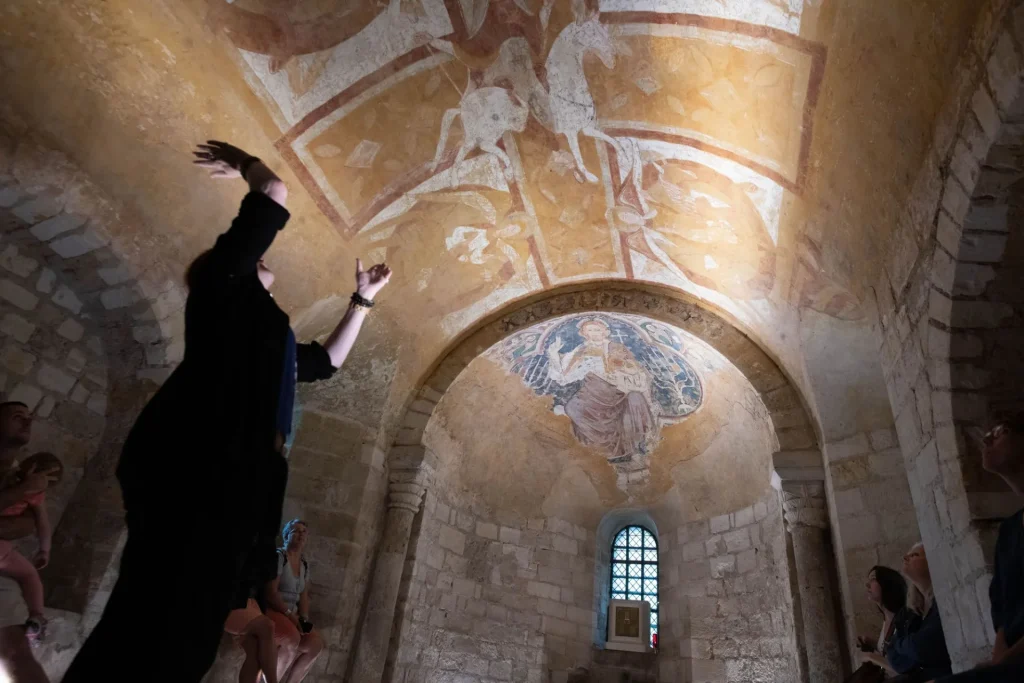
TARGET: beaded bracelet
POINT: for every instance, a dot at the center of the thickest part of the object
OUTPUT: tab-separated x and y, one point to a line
361	301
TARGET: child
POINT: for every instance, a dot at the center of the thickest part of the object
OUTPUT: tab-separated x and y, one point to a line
12	563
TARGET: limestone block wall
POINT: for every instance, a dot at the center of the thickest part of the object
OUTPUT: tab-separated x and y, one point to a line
493	597
51	358
727	614
336	484
930	322
873	515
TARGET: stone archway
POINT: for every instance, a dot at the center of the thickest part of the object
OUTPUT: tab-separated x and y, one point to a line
87	339
943	306
411	465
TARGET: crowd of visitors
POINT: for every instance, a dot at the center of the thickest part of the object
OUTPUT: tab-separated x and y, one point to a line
912	646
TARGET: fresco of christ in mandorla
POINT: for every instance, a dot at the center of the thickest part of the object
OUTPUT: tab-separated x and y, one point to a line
618	380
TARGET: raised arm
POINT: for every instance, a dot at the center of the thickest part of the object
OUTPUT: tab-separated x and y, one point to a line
261	215
319	362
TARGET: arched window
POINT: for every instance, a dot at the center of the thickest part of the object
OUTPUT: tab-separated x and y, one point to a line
635	569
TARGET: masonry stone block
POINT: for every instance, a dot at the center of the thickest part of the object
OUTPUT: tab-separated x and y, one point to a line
26	393
17	295
1004	72
48	229
17	263
71	329
65	298
13	325
452	539
16	360
78	244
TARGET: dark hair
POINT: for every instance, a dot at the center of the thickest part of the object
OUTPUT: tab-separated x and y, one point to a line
894	588
44	460
12	403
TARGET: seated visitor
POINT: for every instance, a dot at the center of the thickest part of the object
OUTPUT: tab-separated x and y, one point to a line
255	631
1002	454
888	590
15	433
287	598
29	498
920	655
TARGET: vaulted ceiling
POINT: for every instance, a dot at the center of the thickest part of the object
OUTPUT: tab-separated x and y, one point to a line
753	154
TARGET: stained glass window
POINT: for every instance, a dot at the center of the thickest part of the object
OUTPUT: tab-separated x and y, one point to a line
635	569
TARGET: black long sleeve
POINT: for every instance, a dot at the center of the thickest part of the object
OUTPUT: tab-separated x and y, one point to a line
252	232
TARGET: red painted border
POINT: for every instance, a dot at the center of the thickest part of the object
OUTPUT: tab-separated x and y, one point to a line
816	51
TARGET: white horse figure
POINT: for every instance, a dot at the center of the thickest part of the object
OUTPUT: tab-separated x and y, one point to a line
565	107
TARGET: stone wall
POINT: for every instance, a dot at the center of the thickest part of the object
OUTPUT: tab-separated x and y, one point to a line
336	484
929	323
51	358
874	518
726	609
493	597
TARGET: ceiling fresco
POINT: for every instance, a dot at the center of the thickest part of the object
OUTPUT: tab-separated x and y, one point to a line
616	379
606	408
489	149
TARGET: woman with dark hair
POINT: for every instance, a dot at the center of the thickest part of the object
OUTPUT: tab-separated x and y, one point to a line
888	590
215	432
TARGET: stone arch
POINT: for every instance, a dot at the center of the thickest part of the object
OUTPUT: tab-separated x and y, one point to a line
411	465
936	311
88	337
612	523
798	446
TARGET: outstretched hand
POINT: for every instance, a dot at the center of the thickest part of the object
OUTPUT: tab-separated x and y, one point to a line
369	282
223	160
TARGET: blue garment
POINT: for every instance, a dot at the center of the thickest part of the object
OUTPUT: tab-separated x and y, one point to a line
922	651
1007	589
289	377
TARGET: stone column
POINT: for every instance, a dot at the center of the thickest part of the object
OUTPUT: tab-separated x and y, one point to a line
815	598
406	487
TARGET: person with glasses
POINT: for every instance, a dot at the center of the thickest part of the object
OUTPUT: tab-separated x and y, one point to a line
1002	453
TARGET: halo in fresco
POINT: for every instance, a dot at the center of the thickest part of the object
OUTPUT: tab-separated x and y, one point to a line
618	380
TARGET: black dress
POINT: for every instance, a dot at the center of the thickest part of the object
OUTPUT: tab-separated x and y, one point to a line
201	479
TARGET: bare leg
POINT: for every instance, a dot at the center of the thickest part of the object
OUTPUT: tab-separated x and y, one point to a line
574	147
310	648
250	669
15	566
262	629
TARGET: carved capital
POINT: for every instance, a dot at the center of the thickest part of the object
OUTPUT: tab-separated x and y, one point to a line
406	487
804	505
